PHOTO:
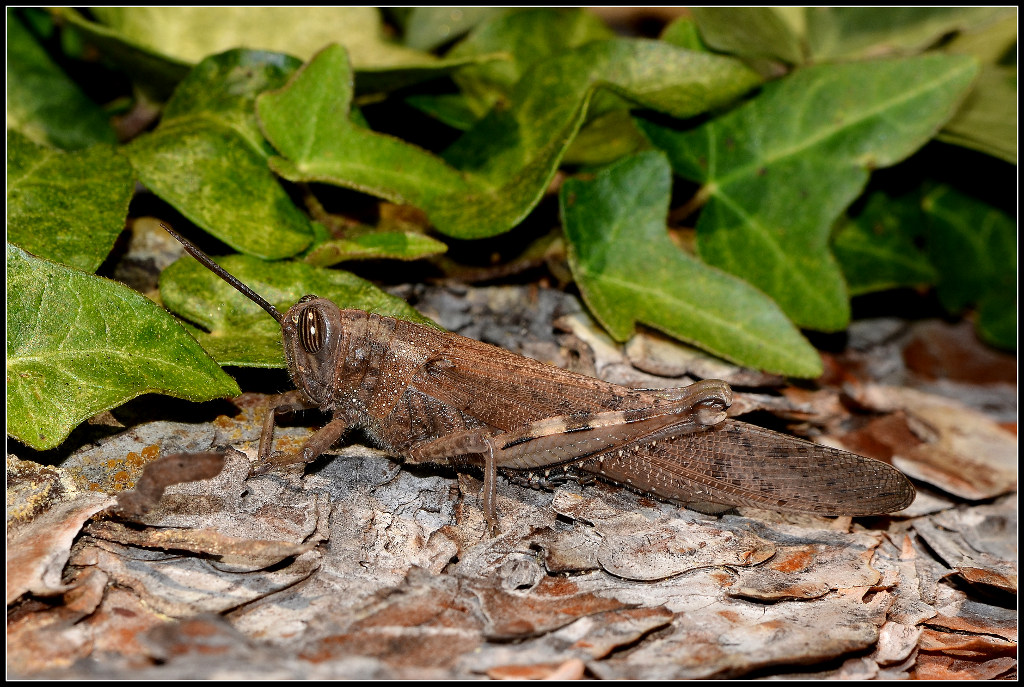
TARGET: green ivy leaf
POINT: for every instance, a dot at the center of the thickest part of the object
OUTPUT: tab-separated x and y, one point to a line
629	271
974	248
516	40
525	38
190	34
426	28
152	72
388	245
684	32
997	318
79	344
498	171
992	42
752	32
882	246
605	139
224	89
309	122
42	102
157	45
237	331
208	159
987	121
67	207
827	34
835	33
452	109
778	171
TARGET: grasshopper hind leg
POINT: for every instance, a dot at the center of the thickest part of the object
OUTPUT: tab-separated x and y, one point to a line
490	490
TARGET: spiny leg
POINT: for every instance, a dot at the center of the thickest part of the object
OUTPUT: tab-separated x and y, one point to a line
322	439
470	441
285	403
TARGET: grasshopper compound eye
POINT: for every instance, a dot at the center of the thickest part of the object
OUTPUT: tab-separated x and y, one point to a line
312	330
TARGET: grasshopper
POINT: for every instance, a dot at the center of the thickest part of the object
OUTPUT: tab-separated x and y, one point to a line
433	396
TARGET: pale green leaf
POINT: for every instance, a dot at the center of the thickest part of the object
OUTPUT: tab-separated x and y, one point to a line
987	121
835	33
67	207
153	73
209	161
426	28
378	245
753	32
190	34
78	344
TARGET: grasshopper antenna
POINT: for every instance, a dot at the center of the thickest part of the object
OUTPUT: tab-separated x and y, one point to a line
220	272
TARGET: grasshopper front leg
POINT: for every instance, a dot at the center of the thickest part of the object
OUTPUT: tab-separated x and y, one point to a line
579	436
321	441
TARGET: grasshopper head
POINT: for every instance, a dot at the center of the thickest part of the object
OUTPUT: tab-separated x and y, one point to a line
312	331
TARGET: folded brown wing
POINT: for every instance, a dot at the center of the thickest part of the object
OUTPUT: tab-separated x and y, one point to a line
744	465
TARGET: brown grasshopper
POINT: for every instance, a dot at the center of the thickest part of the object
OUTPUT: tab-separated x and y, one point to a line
433	396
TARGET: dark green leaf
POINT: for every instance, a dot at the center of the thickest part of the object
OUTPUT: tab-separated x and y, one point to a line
67	207
152	72
973	246
500	168
629	271
42	102
78	344
449	108
997	318
882	247
209	161
238	332
778	171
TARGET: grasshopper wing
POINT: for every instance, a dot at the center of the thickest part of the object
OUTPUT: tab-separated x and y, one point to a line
739	464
